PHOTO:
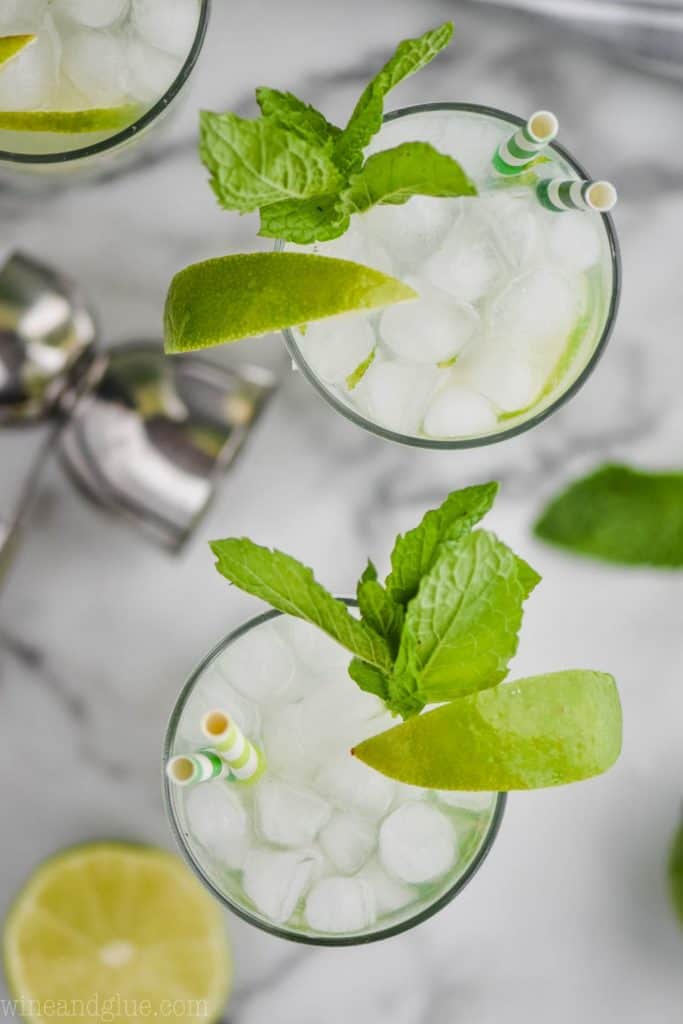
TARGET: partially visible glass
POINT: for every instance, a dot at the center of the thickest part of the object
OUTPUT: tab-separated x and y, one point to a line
52	154
321	689
603	280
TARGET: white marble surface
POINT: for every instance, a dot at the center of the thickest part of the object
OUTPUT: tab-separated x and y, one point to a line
569	919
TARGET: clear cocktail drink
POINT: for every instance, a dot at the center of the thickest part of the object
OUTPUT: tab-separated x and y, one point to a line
516	302
320	848
107	68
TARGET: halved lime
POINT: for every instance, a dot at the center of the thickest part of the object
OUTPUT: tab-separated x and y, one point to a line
541	731
70	122
115	932
247	295
10	46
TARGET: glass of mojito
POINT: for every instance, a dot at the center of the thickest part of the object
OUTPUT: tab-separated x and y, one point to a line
81	80
321	848
516	302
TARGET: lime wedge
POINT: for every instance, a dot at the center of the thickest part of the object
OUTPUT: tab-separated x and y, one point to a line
243	296
108	926
542	731
70	122
10	46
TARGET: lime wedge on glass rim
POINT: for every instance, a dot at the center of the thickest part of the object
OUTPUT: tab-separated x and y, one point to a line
70	122
247	295
103	928
10	46
541	731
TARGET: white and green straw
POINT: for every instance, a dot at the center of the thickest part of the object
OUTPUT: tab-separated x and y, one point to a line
515	154
558	195
191	769
245	761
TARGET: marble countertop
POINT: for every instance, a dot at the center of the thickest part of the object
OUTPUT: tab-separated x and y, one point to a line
569	919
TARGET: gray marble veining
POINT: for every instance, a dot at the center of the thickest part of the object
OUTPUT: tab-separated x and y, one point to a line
569	919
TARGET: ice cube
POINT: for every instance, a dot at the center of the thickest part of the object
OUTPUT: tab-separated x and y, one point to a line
95	63
472	141
470	801
417	843
334	348
539	306
458	412
468	264
395	395
359	246
213	692
575	239
312	647
431	329
339	714
353	786
287	815
216	819
92	13
348	840
501	372
338	905
390	894
412	231
17	16
29	79
276	880
150	71
260	665
169	24
515	220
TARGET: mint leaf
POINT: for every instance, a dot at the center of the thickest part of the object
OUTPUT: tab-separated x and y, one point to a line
676	873
255	163
366	120
461	629
369	678
619	515
413	168
369	572
541	731
415	552
303	221
378	610
290	587
295	115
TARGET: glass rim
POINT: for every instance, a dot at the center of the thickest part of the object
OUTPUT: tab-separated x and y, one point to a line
518	428
241	911
136	127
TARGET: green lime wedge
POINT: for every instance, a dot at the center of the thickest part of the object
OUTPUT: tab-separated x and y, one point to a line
10	46
542	731
105	928
70	122
243	296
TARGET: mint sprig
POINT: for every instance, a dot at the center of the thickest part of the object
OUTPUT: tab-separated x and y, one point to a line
621	515
306	176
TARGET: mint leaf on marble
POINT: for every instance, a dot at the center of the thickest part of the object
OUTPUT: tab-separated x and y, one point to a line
366	120
413	168
293	114
676	873
620	515
255	163
461	629
291	587
416	551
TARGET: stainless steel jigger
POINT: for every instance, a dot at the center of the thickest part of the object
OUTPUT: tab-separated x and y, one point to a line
139	434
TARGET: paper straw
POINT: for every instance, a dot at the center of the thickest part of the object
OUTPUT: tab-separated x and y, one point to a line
191	769
559	195
245	761
517	152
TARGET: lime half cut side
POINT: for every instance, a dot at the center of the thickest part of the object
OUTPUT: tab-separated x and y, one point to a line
541	731
70	122
116	932
248	295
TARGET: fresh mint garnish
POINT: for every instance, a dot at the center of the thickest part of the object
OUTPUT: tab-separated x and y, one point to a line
676	873
307	176
377	609
619	515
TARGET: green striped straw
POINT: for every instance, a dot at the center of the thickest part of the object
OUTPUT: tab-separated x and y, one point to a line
191	769
245	761
558	195
515	154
